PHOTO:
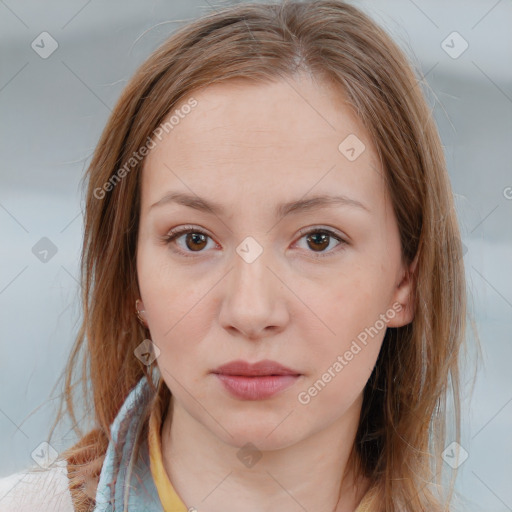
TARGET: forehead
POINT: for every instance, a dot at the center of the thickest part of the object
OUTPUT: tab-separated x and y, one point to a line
255	135
274	114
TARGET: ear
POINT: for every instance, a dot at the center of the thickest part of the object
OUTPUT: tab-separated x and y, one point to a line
404	295
141	313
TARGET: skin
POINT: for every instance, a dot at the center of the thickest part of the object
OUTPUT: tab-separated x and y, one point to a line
249	147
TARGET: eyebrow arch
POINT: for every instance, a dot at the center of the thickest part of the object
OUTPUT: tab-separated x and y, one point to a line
282	210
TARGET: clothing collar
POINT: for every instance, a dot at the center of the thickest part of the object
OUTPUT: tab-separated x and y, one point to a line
170	500
125	482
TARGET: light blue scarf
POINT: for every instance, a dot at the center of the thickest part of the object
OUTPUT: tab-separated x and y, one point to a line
126	482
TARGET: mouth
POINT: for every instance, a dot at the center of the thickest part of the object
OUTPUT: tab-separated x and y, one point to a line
256	381
263	368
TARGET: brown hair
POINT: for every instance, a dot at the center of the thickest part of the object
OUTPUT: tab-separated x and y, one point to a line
402	428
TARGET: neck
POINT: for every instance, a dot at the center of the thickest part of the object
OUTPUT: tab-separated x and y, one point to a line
207	473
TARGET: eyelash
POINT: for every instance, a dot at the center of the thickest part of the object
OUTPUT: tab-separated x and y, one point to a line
174	234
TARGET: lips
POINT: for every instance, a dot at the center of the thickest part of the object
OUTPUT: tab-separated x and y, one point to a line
261	368
256	381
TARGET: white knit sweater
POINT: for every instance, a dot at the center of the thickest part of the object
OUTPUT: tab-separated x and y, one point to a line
37	490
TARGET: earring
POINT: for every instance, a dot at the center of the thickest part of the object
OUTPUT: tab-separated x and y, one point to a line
138	312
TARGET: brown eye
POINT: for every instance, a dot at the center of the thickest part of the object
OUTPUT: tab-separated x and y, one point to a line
318	240
194	240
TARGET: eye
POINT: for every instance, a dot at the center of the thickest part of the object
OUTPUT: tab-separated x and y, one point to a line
320	238
194	239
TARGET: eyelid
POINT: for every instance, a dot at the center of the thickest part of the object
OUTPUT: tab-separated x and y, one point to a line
332	231
176	233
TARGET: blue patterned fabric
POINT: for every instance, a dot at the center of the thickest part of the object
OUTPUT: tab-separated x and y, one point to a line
126	482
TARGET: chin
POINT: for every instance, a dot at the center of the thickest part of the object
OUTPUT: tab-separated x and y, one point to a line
262	434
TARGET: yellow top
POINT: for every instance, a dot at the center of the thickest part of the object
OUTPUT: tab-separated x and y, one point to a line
171	502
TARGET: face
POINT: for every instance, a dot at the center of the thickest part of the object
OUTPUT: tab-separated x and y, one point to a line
312	286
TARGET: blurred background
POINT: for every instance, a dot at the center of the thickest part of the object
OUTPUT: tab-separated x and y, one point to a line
62	68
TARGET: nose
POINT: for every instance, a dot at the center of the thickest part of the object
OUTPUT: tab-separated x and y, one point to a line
254	299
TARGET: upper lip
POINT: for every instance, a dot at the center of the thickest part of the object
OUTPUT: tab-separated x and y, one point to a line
265	367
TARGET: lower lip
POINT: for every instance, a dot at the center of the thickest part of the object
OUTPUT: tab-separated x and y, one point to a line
256	388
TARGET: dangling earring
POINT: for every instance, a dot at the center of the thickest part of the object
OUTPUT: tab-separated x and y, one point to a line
138	312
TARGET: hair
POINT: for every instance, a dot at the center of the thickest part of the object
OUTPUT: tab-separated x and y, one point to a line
403	421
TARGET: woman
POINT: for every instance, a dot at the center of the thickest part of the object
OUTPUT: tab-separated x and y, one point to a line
273	289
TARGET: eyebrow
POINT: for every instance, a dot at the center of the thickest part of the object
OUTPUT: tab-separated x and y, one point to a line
282	210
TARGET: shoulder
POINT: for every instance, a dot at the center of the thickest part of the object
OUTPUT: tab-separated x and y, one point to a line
37	489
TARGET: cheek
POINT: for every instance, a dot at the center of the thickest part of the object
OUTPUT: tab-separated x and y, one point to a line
159	288
349	307
340	380
347	302
177	314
